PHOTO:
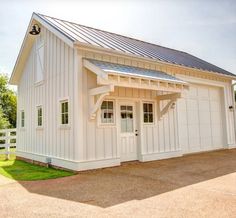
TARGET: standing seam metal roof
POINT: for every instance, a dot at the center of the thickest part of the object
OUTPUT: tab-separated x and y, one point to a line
104	39
135	71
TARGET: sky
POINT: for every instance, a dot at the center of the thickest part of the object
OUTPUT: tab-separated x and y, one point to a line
204	28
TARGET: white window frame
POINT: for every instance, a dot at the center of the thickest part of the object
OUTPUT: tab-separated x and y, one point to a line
60	112
22	119
100	123
153	113
37	116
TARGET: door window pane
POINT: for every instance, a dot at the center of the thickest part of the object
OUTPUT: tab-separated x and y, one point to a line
126	118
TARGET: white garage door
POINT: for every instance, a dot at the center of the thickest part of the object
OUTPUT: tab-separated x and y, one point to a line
200	119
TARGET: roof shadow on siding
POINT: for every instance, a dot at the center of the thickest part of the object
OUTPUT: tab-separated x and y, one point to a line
136	181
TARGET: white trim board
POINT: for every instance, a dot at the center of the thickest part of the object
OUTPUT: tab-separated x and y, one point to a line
160	156
70	164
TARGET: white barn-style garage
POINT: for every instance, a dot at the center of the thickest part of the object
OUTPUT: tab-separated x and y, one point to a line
89	99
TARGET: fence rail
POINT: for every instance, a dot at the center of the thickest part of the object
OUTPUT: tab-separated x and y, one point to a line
7	141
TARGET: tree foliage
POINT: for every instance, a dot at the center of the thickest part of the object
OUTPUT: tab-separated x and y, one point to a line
7	104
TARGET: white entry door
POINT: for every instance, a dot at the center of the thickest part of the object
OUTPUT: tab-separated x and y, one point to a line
128	132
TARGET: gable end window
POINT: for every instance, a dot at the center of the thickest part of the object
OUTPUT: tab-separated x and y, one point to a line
107	112
22	118
39	116
64	112
148	113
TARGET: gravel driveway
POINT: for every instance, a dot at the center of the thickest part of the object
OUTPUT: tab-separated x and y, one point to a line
200	185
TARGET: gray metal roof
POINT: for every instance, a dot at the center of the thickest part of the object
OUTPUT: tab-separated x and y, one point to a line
104	39
134	71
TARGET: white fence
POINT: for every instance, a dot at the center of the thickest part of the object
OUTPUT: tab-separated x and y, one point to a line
7	140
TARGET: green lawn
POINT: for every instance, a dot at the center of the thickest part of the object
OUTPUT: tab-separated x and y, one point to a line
20	170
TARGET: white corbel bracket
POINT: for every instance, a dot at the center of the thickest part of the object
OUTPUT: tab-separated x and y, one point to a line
101	92
172	99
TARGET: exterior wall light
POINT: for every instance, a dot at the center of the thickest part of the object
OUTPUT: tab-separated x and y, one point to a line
35	30
231	108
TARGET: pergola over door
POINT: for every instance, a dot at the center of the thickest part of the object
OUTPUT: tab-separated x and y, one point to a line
110	75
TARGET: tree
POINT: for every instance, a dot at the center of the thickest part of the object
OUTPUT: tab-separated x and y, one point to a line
3	120
7	104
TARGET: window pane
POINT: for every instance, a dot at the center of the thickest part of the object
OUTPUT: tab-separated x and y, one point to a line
123	115
107	112
144	107
66	106
66	119
110	105
129	108
40	121
123	108
145	118
129	124
104	105
62	107
103	116
130	115
62	119
123	125
150	118
150	107
148	113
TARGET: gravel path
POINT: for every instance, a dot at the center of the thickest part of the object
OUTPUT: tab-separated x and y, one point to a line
202	185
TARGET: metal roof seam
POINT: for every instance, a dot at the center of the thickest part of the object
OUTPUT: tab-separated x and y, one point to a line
125	44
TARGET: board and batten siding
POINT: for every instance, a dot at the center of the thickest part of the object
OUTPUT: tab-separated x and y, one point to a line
58	83
102	141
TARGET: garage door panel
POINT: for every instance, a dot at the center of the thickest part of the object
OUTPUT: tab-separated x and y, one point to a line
216	131
205	130
215	106
203	119
214	93
204	105
194	141
217	142
206	143
203	92
215	117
